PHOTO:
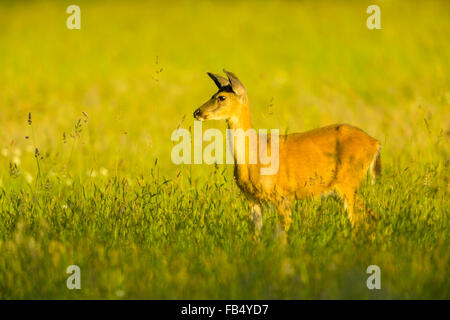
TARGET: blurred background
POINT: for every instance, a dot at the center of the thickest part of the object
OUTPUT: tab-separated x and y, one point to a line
137	69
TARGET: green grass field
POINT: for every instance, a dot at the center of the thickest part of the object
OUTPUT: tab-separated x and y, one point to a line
104	194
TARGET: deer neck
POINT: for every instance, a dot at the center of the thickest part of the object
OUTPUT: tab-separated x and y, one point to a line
242	121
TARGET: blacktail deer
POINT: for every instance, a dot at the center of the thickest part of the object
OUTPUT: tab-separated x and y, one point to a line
335	158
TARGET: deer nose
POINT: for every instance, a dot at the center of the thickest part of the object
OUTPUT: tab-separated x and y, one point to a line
196	113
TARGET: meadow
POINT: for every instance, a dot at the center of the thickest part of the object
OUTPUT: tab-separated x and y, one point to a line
86	176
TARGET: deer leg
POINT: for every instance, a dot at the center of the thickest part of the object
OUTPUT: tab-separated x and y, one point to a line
361	206
257	218
284	220
355	205
348	195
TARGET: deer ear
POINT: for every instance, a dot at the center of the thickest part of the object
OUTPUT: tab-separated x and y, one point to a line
219	80
236	84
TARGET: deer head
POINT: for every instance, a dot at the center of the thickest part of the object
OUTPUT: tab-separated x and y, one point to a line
229	103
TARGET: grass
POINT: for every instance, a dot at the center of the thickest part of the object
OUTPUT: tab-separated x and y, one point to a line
90	181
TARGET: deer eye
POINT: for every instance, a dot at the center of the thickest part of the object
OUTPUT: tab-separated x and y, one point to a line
221	98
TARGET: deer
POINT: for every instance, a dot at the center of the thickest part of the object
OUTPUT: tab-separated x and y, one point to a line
333	159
